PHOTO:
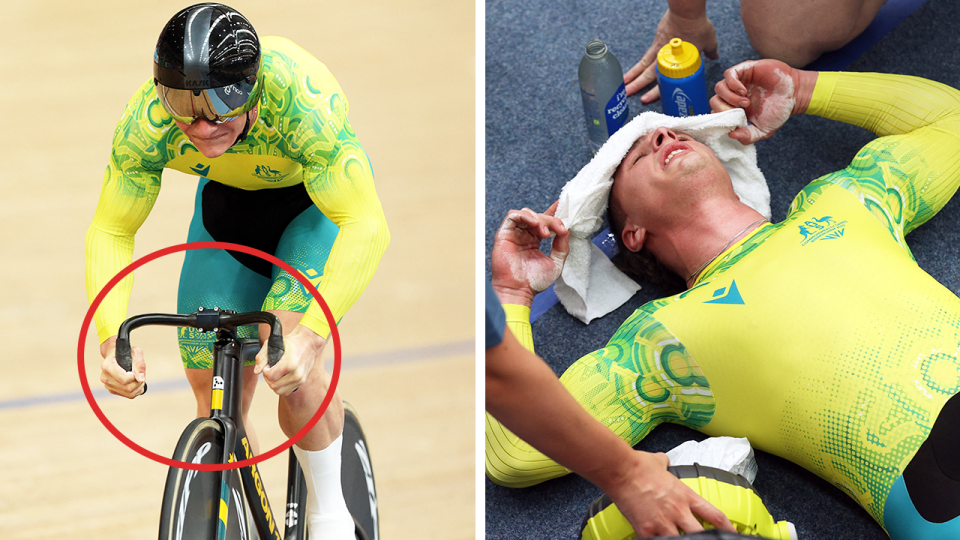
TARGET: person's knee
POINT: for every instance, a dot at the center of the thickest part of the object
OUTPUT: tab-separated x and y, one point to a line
795	47
314	390
799	34
793	50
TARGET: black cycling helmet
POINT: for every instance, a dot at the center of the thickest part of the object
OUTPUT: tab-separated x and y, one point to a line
206	65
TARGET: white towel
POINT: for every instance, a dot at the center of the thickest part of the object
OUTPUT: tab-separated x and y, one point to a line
590	286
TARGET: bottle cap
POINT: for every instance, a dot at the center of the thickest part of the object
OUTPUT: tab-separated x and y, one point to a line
678	59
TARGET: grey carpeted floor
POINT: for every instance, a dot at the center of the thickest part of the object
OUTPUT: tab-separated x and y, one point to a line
536	141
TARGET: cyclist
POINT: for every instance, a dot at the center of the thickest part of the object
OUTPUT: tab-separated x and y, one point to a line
818	338
264	124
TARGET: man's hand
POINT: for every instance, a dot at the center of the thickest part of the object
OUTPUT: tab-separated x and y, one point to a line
301	348
769	91
117	380
520	269
691	26
657	503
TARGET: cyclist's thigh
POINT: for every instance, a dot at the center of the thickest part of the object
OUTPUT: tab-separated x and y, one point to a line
305	245
213	278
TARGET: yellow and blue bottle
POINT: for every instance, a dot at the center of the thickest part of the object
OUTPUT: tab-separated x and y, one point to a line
730	493
683	88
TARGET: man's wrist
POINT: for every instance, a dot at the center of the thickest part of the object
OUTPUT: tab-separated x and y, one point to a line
108	345
807	81
688	10
623	473
312	338
508	295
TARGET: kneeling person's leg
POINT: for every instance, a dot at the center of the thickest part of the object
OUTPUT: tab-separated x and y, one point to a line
799	32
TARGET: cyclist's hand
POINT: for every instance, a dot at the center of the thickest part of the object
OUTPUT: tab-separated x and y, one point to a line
693	28
520	270
117	380
768	91
301	349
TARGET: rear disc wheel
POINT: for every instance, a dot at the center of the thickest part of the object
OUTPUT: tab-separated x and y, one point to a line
356	476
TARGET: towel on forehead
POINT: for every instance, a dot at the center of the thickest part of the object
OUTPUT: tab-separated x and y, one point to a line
590	286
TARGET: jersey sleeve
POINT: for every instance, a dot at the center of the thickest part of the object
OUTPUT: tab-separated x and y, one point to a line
911	171
509	460
643	377
130	187
339	179
127	195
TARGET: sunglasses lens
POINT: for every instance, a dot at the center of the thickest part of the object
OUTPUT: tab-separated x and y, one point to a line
217	105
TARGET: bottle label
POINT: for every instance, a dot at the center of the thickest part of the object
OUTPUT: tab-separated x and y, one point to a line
682	101
616	111
684	97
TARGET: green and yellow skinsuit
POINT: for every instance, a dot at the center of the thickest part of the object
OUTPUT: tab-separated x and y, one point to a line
817	338
301	137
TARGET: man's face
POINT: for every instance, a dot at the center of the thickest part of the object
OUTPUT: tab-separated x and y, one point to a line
663	173
212	140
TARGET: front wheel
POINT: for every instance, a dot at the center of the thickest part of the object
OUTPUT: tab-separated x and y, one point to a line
192	507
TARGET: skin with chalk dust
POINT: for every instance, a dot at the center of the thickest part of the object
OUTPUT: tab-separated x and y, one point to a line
539	281
773	108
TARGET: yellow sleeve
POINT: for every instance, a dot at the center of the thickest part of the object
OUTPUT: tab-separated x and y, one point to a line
126	199
339	180
642	378
509	460
883	103
918	122
518	321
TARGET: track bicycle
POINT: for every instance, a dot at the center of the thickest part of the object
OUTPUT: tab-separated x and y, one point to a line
212	504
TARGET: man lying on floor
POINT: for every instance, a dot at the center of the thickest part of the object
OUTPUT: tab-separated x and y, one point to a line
817	338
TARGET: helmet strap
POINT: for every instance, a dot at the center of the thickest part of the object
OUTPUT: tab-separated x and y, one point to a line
246	130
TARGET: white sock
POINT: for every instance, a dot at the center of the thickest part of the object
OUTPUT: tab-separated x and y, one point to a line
327	514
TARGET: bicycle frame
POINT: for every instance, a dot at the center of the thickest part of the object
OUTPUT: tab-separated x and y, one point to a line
229	355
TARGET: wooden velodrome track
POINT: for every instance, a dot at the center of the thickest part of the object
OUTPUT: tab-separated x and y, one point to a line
408	70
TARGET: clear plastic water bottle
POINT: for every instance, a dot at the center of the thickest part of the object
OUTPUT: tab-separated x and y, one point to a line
603	92
683	88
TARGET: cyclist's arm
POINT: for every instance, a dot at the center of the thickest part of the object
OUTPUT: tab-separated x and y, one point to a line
917	155
511	461
339	180
523	392
126	198
623	385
